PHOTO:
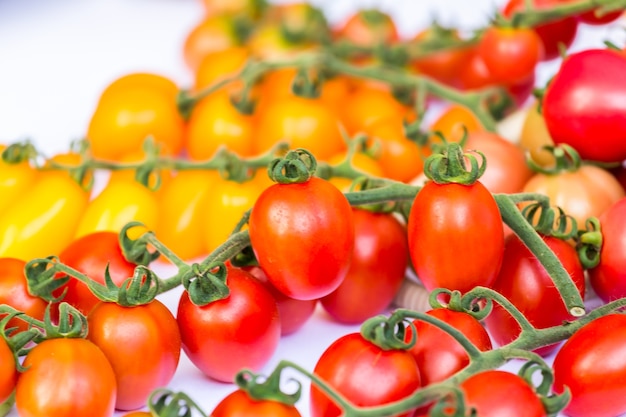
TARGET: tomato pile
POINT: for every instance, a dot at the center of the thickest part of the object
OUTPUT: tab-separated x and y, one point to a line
300	173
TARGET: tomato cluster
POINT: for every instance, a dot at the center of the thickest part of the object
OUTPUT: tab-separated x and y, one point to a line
298	175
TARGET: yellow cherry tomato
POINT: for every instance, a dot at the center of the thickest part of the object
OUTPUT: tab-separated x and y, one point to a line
225	204
43	221
14	180
181	215
120	202
535	136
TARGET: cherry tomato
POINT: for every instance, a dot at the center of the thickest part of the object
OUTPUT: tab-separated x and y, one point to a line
528	286
215	123
454	122
592	365
303	236
249	8
143	80
239	331
43	221
587	88
142	343
66	378
181	214
608	278
14	292
350	361
128	114
437	354
510	54
15	179
535	136
379	261
270	42
104	249
552	34
368	28
585	192
509	395
593	18
213	33
8	371
218	65
120	202
293	313
239	404
302	123
457	220
224	205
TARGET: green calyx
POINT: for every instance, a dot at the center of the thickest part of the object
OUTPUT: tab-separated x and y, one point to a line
298	166
450	166
388	333
267	389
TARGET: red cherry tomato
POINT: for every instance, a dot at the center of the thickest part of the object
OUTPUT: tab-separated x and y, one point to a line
142	344
527	284
303	236
8	371
377	269
14	292
592	364
239	331
351	365
449	225
239	404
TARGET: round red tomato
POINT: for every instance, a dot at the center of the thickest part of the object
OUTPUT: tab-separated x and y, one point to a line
352	365
303	236
90	255
592	364
608	278
498	393
437	354
142	344
236	332
456	236
239	404
8	371
66	378
377	269
589	89
528	286
14	292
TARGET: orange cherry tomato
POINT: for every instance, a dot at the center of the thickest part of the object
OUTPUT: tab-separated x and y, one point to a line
269	42
224	205
213	33
302	123
8	371
216	123
361	162
368	28
400	158
14	292
144	80
250	8
365	106
125	117
181	214
452	121
66	377
218	65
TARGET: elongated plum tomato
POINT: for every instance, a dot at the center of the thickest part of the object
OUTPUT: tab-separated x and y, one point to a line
303	236
142	344
351	364
592	364
66	377
236	332
449	227
589	89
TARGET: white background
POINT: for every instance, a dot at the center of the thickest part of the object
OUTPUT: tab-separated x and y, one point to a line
57	56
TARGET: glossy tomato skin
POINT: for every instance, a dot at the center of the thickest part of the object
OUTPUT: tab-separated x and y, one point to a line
239	331
592	364
142	344
376	271
66	378
608	278
14	292
293	313
587	89
351	363
437	354
8	371
15	179
508	395
103	249
239	404
527	284
303	236
448	227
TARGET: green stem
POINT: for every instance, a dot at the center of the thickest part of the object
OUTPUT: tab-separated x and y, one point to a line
7	406
394	191
537	16
488	293
512	216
